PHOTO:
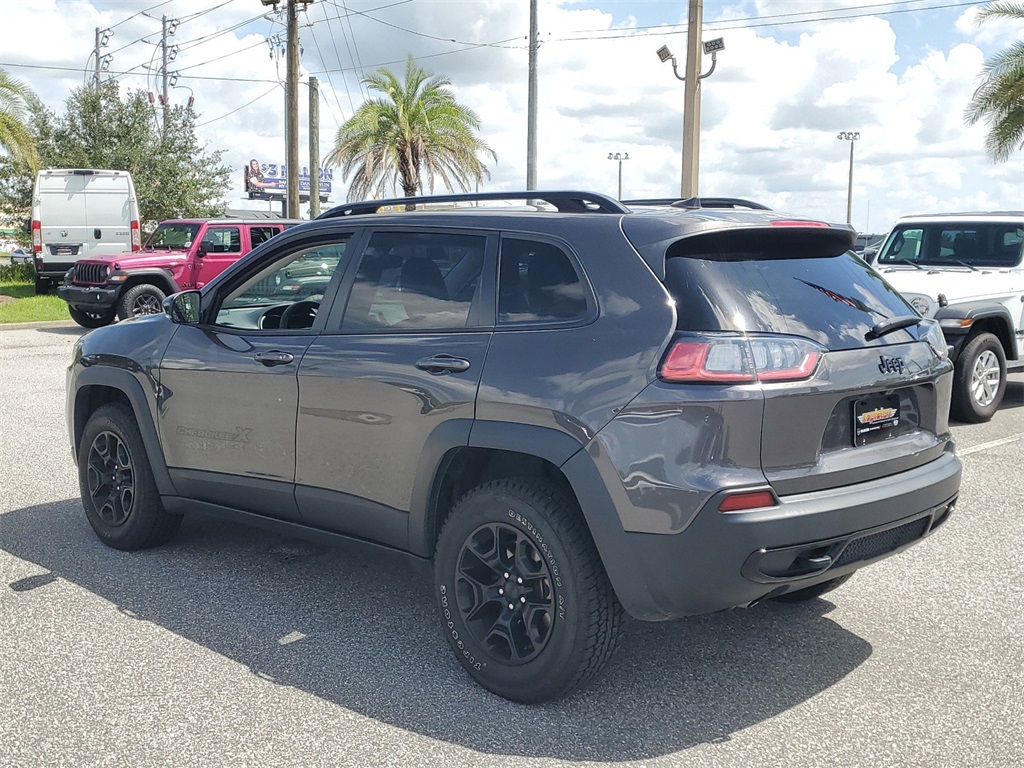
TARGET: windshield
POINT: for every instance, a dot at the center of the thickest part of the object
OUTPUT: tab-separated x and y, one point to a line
954	245
172	237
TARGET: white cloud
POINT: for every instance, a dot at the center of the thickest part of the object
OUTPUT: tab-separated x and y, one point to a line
771	110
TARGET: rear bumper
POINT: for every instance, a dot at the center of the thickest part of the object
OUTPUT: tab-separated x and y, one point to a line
726	560
97	297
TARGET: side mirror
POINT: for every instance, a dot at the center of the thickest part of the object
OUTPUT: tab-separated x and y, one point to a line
183	308
205	246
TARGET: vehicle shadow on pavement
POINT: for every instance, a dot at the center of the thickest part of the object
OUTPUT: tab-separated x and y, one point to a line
370	641
64	330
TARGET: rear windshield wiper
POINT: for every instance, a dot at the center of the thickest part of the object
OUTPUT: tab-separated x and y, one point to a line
885	327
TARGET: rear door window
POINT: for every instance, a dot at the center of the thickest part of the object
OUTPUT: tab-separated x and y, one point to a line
786	287
538	283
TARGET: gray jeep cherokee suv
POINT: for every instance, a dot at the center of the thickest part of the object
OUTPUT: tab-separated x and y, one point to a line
568	409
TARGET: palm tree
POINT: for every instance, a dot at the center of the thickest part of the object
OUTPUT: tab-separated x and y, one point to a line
414	129
999	100
15	137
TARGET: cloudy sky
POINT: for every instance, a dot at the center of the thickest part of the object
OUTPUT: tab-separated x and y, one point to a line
794	74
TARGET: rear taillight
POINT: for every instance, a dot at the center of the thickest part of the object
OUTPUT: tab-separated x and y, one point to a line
136	236
37	236
738	359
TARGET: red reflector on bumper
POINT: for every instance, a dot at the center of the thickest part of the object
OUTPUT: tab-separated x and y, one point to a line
750	500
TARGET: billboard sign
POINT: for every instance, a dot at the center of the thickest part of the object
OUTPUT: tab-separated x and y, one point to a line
269	181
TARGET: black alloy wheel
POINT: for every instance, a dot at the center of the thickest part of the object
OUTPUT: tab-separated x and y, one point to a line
524	600
504	593
119	493
111	479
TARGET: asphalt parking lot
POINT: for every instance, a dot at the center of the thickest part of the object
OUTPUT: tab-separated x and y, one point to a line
231	646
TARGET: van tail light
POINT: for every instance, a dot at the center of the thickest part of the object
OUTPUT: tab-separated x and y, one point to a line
136	236
37	236
739	359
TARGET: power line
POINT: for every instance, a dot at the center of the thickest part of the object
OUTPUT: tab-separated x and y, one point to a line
334	90
728	24
139	13
196	15
233	111
190	77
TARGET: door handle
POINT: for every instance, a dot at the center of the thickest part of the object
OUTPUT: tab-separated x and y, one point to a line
440	364
274	357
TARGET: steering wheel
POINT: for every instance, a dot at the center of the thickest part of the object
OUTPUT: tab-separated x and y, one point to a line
301	314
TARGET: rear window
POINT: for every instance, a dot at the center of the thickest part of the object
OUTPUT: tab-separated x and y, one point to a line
960	244
785	286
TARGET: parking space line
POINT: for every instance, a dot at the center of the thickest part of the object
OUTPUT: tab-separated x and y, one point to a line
989	444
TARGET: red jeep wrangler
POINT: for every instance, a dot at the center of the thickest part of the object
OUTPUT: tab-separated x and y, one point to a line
180	254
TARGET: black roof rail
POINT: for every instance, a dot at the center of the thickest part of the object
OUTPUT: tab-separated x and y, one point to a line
563	201
700	202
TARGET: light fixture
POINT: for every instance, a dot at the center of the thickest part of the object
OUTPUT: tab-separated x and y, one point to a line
713	46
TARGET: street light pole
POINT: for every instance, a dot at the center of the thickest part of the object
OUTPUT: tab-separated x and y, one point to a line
691	103
620	157
850	136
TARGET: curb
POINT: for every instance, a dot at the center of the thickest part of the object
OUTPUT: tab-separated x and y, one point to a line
39	324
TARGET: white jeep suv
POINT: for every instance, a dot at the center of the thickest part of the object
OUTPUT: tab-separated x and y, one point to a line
966	271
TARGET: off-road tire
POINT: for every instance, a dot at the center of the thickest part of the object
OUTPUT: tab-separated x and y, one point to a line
974	398
88	319
809	593
116	481
141	299
43	285
570	618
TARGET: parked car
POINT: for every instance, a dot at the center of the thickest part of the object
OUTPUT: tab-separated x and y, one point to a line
180	254
559	417
966	271
21	256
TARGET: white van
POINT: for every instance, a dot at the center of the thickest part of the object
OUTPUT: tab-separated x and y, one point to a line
78	213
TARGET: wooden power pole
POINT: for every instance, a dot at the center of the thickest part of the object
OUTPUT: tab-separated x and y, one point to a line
314	147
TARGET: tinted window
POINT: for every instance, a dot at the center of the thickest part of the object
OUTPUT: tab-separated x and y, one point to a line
415	281
222	240
977	245
260	235
285	294
537	282
832	299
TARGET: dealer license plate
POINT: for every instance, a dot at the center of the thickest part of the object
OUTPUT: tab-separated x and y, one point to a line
875	418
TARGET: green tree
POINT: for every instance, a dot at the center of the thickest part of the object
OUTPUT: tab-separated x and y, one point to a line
415	129
15	137
174	174
999	99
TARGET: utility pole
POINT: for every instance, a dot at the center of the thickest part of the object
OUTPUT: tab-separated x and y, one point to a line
102	62
163	71
691	103
292	113
314	147
531	107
